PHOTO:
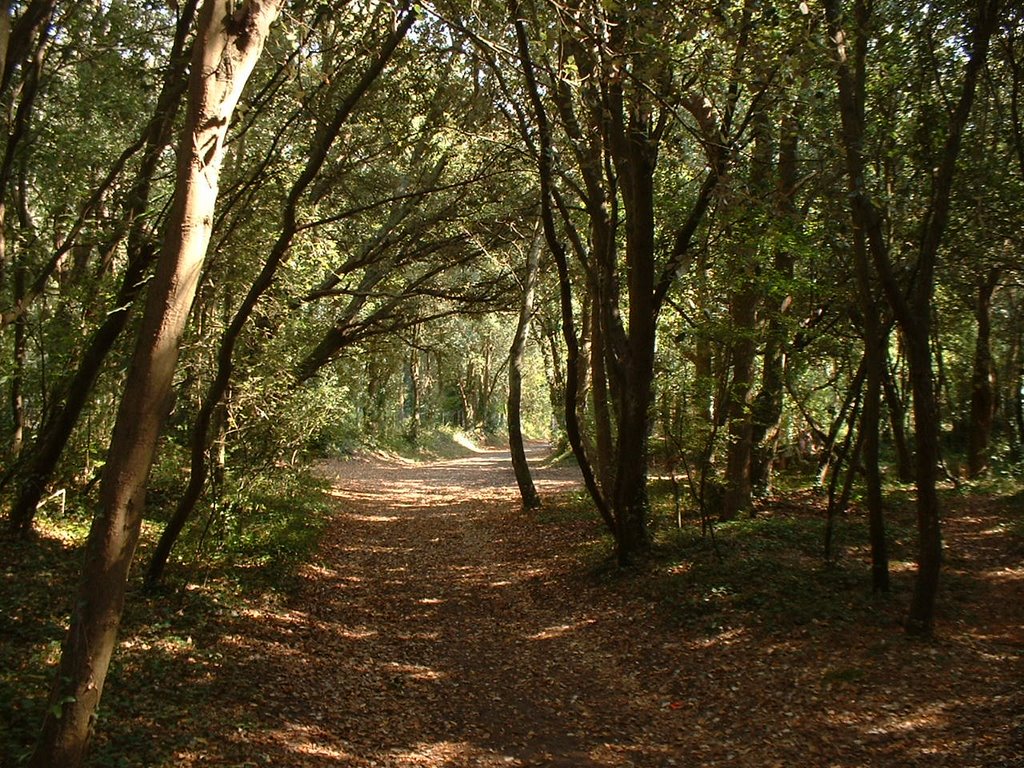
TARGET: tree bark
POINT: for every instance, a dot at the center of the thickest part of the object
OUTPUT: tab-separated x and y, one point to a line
604	440
415	394
572	359
767	410
527	489
18	371
738	488
870	419
60	421
200	439
983	390
635	152
913	314
28	31
898	423
19	38
229	41
744	301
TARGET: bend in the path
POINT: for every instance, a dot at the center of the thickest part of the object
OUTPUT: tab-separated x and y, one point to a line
441	626
429	634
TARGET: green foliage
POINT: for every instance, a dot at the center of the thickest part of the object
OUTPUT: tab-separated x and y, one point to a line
770	568
246	551
266	523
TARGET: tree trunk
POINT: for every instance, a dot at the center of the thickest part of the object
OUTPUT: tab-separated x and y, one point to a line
921	616
527	490
1014	402
18	371
744	434
898	423
767	411
61	420
737	498
603	438
415	394
556	384
228	43
870	426
19	37
1018	395
983	390
870	421
572	359
5	37
200	439
914	314
634	149
28	31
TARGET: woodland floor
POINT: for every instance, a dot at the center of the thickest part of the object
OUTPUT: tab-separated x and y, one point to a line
440	625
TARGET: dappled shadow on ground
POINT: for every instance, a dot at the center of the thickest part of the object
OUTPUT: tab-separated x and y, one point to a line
442	626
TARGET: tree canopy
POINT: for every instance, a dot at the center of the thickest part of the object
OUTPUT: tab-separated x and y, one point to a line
717	242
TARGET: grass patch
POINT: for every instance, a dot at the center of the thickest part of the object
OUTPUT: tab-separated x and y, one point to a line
266	526
770	569
571	507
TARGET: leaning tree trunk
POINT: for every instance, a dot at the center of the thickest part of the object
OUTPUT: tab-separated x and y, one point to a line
527	490
45	452
545	173
229	40
200	440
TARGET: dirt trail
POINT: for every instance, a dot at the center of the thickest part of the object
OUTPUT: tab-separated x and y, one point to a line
441	626
433	633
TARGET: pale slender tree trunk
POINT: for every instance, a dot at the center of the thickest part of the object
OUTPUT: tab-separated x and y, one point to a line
517	355
200	442
415	394
229	40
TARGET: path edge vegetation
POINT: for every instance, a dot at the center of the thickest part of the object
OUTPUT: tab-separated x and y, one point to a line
639	173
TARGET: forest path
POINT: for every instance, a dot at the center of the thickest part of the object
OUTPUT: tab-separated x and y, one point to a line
442	626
